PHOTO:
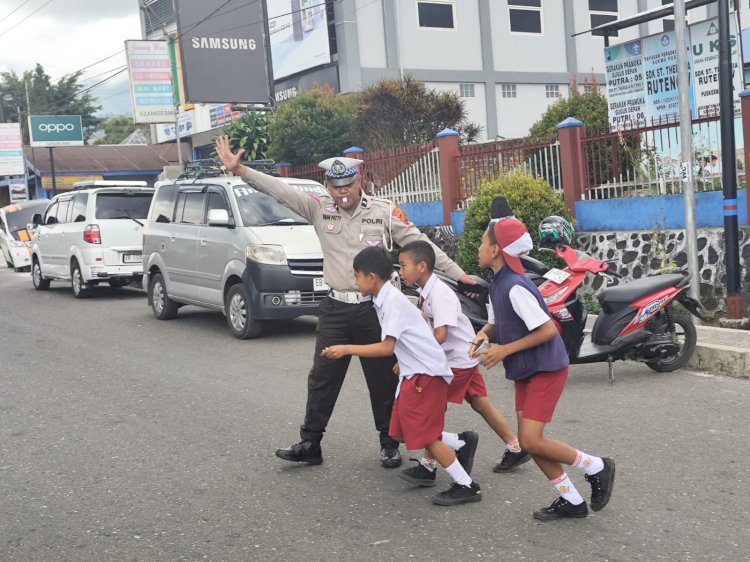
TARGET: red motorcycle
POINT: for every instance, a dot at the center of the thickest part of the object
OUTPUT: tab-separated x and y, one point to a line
637	321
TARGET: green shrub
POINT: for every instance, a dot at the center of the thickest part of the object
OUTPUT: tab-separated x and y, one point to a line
531	200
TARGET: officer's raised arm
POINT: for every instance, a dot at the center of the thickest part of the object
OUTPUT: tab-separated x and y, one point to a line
284	193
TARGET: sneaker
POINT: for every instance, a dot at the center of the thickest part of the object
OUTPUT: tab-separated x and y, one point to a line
465	454
419	475
560	509
601	484
390	457
458	494
305	451
511	461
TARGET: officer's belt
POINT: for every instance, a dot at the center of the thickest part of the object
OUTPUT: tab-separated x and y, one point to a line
349	297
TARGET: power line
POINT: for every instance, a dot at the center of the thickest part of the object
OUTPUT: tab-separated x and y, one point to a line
21	5
19	22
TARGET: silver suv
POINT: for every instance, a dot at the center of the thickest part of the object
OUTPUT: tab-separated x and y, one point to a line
220	244
91	235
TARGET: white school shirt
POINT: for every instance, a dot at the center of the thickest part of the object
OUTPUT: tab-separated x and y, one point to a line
416	349
441	307
525	305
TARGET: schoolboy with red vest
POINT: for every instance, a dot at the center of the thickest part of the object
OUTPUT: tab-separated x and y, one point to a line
526	341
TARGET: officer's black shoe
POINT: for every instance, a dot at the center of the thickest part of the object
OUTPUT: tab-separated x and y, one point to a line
465	454
305	451
511	461
419	475
458	494
390	457
560	509
601	484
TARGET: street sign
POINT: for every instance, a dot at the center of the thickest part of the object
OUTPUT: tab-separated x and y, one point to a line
150	81
11	150
56	130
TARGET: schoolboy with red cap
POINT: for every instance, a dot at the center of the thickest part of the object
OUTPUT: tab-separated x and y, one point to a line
527	342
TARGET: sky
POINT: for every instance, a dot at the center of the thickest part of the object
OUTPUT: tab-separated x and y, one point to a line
66	35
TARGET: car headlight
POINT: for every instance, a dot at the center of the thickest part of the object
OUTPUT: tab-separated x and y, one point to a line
267	254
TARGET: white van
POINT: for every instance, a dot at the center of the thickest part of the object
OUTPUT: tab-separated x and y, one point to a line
218	243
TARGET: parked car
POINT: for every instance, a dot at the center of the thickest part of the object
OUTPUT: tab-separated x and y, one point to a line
220	244
90	235
15	237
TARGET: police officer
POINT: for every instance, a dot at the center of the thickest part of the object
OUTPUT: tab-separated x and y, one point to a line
346	220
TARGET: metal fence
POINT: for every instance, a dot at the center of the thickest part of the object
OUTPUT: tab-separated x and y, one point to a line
646	161
418	182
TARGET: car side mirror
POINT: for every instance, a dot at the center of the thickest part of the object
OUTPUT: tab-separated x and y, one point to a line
36	219
218	217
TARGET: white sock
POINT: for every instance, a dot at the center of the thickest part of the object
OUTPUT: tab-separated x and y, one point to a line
428	463
514	446
452	440
458	473
565	488
588	464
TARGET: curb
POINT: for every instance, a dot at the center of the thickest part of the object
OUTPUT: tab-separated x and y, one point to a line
721	360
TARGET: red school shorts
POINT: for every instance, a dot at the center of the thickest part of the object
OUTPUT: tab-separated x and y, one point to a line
537	395
418	415
465	384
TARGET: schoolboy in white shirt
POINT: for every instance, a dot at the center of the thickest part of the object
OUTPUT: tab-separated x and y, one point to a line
418	414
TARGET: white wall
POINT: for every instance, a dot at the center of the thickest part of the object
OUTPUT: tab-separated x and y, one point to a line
590	49
371	33
516	115
476	107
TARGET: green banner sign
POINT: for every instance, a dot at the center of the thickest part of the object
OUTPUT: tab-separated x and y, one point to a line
56	130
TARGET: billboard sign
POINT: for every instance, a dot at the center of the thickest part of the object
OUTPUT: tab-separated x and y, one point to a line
626	99
56	130
185	125
299	35
223	58
289	87
19	190
11	150
150	81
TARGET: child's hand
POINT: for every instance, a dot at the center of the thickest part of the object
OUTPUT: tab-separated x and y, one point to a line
396	369
492	355
479	339
334	352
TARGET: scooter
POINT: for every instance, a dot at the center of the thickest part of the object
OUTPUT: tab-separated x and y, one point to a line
637	320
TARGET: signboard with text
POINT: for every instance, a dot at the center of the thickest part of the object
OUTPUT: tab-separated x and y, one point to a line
299	36
11	150
56	130
150	81
19	190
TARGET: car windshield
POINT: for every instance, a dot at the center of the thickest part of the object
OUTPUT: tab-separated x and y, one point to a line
259	209
123	205
18	219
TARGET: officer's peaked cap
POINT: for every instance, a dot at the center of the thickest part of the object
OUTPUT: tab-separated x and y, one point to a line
340	171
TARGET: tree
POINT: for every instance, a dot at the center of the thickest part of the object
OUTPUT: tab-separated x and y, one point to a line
312	126
66	97
402	112
589	107
117	129
251	132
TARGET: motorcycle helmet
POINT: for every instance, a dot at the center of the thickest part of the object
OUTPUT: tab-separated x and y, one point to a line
555	230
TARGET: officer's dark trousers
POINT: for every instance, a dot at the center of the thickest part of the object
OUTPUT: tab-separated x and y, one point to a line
342	323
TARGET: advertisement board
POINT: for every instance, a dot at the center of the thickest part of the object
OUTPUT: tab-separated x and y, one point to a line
185	125
56	130
299	35
19	190
222	51
11	150
150	81
626	99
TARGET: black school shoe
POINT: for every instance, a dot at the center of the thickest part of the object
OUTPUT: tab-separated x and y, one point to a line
390	457
561	509
511	461
601	484
305	451
465	454
458	494
419	475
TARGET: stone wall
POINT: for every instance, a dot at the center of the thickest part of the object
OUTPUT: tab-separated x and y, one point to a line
642	253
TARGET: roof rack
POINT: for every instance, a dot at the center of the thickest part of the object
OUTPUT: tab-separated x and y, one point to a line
92	184
266	166
205	168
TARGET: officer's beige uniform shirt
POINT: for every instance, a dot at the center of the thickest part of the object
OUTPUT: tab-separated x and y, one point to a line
342	236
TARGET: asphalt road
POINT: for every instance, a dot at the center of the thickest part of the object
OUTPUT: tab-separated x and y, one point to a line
126	438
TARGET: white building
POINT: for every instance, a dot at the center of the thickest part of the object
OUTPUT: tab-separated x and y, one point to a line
507	59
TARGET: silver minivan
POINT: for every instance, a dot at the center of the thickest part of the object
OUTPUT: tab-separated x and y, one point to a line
220	244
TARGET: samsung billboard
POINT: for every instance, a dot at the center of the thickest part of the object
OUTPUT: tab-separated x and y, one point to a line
223	52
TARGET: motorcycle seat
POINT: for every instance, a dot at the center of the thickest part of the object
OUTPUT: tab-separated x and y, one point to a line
533	265
635	290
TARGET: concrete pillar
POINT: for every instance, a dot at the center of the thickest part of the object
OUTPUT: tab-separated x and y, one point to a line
450	175
571	161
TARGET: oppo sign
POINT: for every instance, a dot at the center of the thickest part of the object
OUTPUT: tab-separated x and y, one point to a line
56	130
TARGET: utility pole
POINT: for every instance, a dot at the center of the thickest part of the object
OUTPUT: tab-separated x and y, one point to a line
729	167
686	146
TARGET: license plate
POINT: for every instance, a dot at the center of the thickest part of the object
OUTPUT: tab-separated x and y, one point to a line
557	276
319	284
132	258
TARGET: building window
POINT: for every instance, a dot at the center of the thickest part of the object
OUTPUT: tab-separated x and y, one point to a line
509	90
438	15
466	90
603	11
667	23
552	90
525	16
